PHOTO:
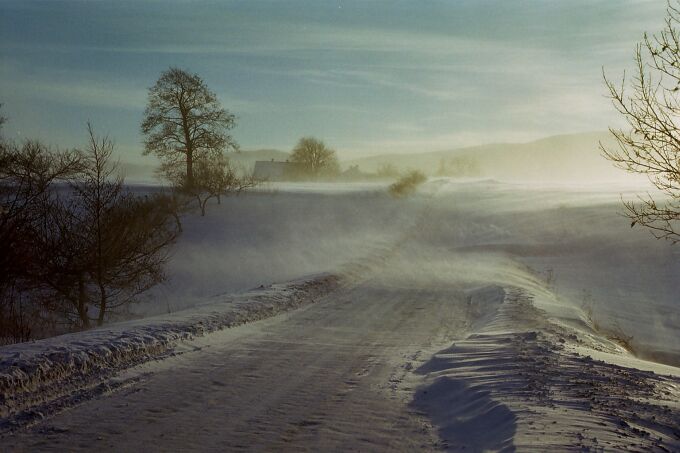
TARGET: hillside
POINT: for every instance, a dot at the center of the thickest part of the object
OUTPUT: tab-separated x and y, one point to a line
574	157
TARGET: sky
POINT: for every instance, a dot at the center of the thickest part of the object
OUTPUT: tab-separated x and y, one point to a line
367	77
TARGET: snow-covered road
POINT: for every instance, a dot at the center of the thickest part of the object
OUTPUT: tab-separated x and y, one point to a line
328	376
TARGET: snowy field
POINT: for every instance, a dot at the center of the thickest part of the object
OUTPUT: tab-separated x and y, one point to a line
474	316
281	232
573	235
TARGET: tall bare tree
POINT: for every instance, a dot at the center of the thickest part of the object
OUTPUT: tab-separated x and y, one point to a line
184	121
101	245
315	157
28	173
650	104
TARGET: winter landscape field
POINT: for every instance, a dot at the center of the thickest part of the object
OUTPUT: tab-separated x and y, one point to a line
477	314
384	226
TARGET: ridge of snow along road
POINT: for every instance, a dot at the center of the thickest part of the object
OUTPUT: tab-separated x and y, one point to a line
34	374
523	380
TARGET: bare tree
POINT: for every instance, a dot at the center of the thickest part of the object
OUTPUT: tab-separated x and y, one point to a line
28	175
315	157
244	181
651	145
184	122
213	178
101	246
174	203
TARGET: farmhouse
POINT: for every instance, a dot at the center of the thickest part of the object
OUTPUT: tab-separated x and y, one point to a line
277	171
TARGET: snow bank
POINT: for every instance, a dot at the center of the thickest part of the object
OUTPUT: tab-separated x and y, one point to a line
34	373
522	381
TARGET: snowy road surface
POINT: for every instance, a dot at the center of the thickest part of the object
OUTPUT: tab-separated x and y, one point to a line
328	376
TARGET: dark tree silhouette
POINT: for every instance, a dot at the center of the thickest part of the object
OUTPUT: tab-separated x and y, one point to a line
213	178
27	176
651	144
184	122
101	246
315	157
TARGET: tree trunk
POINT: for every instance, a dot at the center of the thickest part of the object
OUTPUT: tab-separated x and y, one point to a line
82	302
190	169
102	304
189	147
178	221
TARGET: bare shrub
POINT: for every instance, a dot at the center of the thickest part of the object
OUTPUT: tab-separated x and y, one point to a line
28	175
213	178
407	184
613	332
101	246
74	244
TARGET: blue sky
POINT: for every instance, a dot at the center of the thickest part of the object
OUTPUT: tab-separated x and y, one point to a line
366	76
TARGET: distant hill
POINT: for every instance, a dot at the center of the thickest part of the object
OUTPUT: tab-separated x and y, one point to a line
574	157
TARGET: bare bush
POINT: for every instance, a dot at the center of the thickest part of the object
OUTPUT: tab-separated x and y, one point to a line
74	245
213	178
102	246
28	175
613	332
407	184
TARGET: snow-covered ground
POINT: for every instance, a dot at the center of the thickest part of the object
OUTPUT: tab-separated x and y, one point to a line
476	316
282	232
626	281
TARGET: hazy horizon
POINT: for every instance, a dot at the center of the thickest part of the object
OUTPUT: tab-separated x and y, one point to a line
366	77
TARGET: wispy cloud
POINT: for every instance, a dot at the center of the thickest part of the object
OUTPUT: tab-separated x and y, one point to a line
370	76
79	93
